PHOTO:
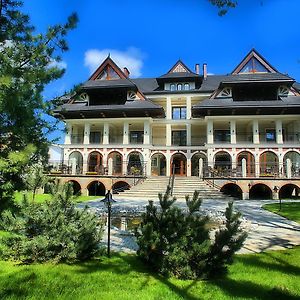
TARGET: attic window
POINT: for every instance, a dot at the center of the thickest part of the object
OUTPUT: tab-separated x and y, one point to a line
254	66
108	74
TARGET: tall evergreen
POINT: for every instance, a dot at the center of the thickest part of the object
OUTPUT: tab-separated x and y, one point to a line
177	242
28	62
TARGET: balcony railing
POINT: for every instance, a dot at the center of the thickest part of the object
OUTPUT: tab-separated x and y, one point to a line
77	139
273	170
73	167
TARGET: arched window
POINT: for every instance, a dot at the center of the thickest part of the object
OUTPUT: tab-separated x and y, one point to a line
186	86
172	87
179	87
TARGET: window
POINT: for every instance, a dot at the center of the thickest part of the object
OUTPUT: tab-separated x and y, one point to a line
179	138
270	135
222	136
136	137
108	74
178	113
95	137
254	66
179	87
172	87
186	86
154	162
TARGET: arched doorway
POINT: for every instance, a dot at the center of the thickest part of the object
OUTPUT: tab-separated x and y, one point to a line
195	163
75	163
232	190
158	165
268	164
289	191
96	188
222	164
117	162
120	186
294	157
260	192
250	163
135	164
178	164
95	163
76	187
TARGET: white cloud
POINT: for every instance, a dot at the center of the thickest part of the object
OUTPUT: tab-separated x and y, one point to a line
132	59
59	64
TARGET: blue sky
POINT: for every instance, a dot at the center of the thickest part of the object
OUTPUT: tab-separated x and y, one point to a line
149	36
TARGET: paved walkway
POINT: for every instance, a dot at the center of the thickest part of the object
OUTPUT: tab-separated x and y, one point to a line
266	231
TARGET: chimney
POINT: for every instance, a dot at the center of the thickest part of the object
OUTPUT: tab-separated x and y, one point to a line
197	69
126	72
205	71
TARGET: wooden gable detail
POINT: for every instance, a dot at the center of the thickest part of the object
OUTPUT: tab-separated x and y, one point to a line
252	58
179	67
108	70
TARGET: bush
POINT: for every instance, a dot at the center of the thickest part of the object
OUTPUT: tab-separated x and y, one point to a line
178	243
54	231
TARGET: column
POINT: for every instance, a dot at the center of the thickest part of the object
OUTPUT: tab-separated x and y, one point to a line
68	134
168	163
255	128
146	132
87	129
279	138
188	167
210	131
244	168
85	162
169	108
126	133
106	134
188	107
188	135
233	132
288	169
168	135
257	165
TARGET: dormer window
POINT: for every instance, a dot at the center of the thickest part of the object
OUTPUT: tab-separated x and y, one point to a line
179	87
173	87
186	86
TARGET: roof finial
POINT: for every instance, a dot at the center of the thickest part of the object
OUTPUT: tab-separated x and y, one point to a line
108	54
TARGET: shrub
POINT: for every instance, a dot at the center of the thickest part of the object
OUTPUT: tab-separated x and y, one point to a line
177	243
56	230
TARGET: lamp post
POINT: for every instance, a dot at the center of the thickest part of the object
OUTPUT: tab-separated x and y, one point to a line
108	200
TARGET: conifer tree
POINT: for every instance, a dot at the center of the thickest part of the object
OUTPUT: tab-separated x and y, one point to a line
177	242
28	62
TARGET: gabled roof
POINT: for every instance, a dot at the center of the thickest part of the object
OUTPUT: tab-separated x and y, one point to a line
179	71
108	62
180	67
254	55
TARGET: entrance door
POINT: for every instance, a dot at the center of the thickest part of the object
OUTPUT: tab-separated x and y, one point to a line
178	165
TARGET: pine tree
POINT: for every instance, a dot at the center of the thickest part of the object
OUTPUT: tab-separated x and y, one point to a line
177	243
228	240
28	62
56	231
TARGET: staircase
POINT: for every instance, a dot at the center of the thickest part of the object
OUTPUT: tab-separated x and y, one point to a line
183	186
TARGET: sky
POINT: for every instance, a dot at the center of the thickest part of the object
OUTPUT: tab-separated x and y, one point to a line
148	37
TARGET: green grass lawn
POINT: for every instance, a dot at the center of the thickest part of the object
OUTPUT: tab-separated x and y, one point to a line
271	275
40	198
289	210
